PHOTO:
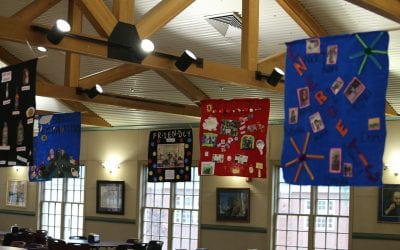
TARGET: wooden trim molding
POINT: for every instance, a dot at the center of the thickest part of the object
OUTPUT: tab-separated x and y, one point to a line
110	220
17	212
375	236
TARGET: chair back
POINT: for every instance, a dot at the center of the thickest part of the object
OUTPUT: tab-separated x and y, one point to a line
41	237
155	245
35	246
140	246
56	244
124	247
133	240
26	236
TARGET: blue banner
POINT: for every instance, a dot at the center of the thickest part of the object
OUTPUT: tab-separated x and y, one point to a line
335	110
57	147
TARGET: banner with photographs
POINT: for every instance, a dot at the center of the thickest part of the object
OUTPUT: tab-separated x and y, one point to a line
335	127
57	147
17	112
233	137
170	155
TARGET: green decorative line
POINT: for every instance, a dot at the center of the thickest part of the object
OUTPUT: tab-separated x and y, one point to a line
110	220
374	236
233	228
18	212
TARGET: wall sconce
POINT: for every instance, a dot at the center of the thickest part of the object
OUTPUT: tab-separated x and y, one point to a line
394	169
111	165
272	79
57	32
92	92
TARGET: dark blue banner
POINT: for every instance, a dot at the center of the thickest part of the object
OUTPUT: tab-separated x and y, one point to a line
57	147
335	110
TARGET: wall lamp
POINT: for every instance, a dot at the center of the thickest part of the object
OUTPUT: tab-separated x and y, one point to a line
272	79
57	32
92	92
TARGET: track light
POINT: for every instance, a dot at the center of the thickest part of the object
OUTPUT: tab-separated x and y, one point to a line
186	59
57	32
272	79
92	92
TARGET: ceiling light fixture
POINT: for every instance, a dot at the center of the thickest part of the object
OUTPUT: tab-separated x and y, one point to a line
272	79
92	92
57	32
186	59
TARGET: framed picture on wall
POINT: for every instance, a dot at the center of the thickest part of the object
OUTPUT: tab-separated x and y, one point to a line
16	193
233	204
389	203
110	197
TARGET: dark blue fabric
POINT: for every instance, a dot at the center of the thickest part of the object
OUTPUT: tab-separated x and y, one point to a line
57	147
346	128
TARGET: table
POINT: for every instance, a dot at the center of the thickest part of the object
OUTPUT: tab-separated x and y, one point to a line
102	244
10	248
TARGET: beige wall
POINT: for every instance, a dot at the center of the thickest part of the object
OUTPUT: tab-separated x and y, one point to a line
131	147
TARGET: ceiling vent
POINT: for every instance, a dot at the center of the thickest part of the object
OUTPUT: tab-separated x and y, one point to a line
228	24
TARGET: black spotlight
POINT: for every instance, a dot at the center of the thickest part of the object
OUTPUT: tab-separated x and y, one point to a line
57	32
92	92
186	59
273	79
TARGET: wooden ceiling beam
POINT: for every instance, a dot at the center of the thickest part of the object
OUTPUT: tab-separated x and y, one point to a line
68	93
269	63
302	17
98	14
249	49
88	116
72	60
388	8
124	10
159	16
33	10
111	75
184	85
389	110
14	31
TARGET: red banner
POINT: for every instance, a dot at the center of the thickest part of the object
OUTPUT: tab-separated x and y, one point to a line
233	137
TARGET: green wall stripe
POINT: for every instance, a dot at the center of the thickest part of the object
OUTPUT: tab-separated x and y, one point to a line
233	228
110	220
375	236
17	212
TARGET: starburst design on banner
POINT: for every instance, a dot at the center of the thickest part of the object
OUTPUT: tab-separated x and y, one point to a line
368	52
302	158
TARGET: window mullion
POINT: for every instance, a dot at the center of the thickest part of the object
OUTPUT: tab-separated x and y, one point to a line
312	217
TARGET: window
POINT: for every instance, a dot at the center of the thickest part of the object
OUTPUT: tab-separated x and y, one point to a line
171	211
62	203
311	217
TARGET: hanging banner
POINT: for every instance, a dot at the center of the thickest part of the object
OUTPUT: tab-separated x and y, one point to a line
17	111
335	110
233	137
57	147
170	155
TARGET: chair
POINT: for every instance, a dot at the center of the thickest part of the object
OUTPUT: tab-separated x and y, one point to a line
81	246
35	246
140	246
155	245
124	247
56	244
8	238
18	243
41	237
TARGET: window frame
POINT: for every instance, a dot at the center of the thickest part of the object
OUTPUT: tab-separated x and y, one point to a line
63	201
313	213
173	198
